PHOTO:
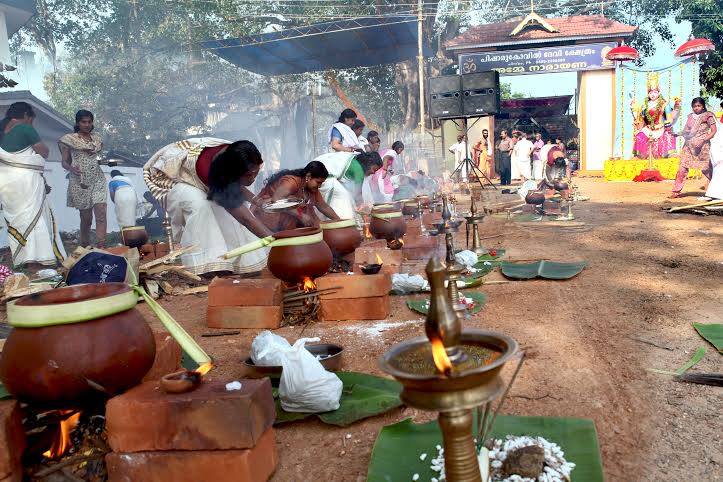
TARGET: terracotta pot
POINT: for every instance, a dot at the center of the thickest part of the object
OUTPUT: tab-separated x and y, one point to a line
72	363
134	236
410	208
535	197
295	262
343	237
560	186
387	225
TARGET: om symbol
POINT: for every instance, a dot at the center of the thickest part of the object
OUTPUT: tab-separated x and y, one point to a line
469	66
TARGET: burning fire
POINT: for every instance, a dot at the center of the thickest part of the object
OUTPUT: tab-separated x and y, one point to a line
439	354
308	284
367	233
379	259
205	368
401	241
62	443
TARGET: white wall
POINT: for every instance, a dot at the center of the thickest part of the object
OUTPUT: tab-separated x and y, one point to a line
596	117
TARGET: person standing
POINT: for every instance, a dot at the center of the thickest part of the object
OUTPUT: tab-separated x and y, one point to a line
124	198
341	136
537	162
504	147
459	149
488	153
381	182
87	190
522	153
32	233
698	132
373	142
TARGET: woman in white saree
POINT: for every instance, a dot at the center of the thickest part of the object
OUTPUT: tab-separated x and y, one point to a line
202	182
715	186
32	232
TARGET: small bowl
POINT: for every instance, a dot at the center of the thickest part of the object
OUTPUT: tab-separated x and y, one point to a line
331	363
394	244
373	268
180	382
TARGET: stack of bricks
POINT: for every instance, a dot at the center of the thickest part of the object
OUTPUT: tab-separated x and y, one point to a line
356	297
245	303
12	441
210	433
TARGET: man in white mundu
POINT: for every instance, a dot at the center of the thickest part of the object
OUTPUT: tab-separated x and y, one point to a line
32	232
521	154
124	198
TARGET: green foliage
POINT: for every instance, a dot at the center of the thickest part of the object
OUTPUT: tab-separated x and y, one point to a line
363	396
712	332
542	269
397	450
706	20
421	306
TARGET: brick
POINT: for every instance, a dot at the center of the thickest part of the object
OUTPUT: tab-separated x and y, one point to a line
355	286
421	247
250	465
118	250
244	292
365	254
146	418
429	218
168	357
244	317
374	243
376	308
12	441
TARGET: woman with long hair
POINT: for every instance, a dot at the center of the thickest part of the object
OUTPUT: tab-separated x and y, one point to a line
203	185
32	232
341	135
87	189
698	132
301	184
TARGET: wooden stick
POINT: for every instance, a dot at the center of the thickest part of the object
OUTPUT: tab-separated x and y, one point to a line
66	463
172	255
495	282
715	202
192	291
186	274
220	333
651	342
493	236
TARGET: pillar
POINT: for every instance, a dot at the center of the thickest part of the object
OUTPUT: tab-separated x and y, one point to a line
596	118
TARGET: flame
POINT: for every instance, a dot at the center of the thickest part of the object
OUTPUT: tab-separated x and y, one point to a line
205	368
62	443
439	354
309	284
401	241
367	232
379	259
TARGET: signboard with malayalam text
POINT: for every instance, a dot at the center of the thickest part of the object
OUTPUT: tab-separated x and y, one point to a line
543	60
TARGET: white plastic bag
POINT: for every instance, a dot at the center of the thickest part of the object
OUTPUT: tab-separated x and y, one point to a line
404	283
305	385
466	258
268	349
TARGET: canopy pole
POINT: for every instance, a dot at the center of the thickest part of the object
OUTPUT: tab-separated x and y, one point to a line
420	63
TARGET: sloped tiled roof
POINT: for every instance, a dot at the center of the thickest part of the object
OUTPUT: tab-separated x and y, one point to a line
579	27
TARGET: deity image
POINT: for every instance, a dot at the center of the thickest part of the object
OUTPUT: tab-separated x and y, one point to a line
653	121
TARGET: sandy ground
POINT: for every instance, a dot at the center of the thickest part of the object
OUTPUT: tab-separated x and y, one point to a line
649	275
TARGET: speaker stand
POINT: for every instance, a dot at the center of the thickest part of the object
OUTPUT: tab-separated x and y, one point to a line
467	162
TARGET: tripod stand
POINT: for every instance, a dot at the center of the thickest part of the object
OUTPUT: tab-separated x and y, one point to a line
467	165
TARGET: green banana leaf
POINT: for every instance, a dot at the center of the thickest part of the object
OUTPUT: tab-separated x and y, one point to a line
543	269
363	396
396	452
420	305
4	394
712	332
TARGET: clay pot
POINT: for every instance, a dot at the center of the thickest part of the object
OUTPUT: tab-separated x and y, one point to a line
293	263
72	363
410	208
560	186
134	236
343	237
535	197
387	225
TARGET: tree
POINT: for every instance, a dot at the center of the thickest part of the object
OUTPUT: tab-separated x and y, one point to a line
705	16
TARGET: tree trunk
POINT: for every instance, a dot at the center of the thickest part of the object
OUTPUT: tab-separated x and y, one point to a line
408	87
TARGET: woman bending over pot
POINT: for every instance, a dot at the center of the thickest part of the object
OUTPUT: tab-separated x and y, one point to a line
203	185
300	184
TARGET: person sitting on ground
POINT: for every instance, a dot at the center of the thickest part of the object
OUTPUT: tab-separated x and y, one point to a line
124	198
341	136
301	184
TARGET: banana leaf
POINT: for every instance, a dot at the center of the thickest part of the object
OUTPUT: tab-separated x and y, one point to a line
420	306
396	452
363	396
4	394
712	332
543	269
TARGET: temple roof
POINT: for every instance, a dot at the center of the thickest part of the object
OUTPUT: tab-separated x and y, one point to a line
569	29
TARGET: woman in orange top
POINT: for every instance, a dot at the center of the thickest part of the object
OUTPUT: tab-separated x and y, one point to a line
302	184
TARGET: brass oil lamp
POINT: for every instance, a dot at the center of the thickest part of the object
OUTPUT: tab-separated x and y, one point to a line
451	371
473	223
454	270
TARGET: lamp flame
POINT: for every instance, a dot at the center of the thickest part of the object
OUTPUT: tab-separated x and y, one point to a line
439	354
308	284
205	368
367	232
62	442
379	259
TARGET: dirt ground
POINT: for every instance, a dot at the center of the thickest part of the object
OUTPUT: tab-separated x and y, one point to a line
649	276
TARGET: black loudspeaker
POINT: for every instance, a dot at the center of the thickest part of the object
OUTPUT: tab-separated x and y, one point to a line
446	97
481	93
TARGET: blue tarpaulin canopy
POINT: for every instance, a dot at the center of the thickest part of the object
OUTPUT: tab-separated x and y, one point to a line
341	44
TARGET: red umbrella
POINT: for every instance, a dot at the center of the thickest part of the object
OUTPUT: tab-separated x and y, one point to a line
694	46
623	53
